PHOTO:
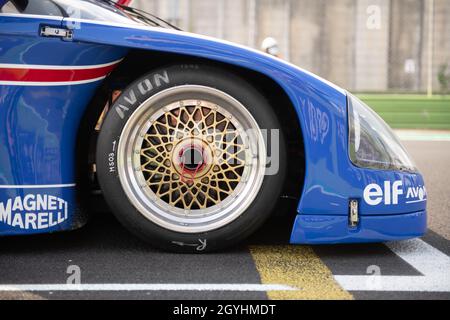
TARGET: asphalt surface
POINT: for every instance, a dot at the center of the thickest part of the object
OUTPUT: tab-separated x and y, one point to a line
433	160
107	255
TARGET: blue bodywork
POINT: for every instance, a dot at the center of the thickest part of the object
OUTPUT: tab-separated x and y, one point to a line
39	124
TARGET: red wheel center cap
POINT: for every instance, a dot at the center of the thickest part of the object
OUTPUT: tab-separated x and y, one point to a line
192	159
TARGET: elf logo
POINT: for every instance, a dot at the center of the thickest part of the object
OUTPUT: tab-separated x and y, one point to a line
390	192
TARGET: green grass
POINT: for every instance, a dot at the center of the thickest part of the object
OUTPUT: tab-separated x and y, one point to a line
411	111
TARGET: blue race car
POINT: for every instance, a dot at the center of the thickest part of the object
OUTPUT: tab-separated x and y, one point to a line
191	140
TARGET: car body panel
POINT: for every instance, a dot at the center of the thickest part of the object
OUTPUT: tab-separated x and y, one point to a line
326	229
331	180
320	105
39	124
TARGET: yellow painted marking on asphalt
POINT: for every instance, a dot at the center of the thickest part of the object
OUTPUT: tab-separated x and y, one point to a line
296	266
19	295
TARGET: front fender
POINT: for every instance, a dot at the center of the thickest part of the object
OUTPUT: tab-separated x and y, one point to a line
320	106
330	179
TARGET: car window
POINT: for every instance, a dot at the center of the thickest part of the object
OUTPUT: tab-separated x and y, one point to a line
9	7
40	7
95	10
80	9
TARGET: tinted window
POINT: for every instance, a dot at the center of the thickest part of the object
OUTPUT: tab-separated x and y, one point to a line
81	9
39	7
9	7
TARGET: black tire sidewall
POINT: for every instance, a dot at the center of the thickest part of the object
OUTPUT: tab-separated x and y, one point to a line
109	138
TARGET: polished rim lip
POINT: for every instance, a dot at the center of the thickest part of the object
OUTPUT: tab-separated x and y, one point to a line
150	206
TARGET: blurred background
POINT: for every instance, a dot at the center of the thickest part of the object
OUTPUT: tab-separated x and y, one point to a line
394	53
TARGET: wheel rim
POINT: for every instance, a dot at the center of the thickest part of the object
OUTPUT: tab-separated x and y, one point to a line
191	159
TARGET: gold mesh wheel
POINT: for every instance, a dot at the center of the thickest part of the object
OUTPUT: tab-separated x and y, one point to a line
192	159
192	156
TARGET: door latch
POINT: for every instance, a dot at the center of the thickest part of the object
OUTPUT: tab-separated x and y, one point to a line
65	34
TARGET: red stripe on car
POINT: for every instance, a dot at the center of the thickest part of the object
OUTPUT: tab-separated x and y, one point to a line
124	2
31	74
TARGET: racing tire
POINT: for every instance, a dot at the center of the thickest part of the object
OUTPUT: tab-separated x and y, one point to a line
182	158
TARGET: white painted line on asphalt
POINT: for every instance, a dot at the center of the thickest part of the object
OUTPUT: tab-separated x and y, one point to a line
432	263
146	287
423	257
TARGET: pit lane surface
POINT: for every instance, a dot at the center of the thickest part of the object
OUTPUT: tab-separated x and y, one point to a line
114	264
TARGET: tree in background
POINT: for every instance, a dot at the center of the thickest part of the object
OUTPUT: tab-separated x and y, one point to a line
444	78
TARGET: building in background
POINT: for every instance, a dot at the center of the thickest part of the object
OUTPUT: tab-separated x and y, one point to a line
363	45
